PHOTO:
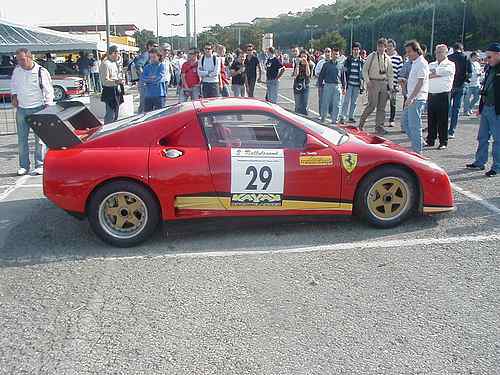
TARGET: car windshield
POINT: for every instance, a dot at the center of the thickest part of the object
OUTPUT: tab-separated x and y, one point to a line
139	119
334	135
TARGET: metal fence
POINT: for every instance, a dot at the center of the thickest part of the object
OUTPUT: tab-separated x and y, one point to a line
7	116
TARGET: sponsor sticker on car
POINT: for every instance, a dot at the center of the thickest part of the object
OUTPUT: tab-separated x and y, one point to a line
312	160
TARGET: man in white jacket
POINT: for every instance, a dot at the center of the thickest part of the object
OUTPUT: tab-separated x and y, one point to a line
32	91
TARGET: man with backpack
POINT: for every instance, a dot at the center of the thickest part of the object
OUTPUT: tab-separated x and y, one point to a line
209	68
32	91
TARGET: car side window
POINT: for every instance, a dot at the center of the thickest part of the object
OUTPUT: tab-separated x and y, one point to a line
251	130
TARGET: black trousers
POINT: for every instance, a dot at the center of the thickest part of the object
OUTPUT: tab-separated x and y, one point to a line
438	107
251	86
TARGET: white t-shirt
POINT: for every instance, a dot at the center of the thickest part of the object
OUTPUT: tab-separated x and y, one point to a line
446	72
419	70
25	84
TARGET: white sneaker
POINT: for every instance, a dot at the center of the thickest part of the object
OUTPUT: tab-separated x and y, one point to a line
22	171
38	171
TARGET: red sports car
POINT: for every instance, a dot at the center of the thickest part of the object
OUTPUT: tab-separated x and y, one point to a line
225	158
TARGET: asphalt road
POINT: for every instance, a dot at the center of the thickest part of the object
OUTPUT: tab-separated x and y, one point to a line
212	297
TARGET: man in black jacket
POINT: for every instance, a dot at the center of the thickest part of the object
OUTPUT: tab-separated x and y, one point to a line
463	70
489	108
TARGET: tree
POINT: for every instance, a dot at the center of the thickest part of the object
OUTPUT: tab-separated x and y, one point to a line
142	37
332	39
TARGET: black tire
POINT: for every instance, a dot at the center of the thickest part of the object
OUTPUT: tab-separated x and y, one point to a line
139	204
387	197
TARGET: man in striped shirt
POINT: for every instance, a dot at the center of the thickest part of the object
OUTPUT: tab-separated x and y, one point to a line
397	63
353	67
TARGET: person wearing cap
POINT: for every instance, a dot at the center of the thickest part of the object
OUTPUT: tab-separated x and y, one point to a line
489	108
110	85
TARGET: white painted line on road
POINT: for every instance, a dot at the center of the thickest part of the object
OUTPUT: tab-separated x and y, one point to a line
13	188
477	198
22	186
362	245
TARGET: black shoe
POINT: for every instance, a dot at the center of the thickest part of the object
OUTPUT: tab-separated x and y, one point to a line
475	167
428	144
491	173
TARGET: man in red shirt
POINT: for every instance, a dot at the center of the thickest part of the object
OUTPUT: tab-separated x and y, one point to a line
190	78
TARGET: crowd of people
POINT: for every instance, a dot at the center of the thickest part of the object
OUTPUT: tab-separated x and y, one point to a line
438	87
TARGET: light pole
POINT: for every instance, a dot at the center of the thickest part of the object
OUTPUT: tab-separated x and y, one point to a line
157	24
188	22
433	27
107	26
311	29
352	19
172	30
194	28
463	21
171	15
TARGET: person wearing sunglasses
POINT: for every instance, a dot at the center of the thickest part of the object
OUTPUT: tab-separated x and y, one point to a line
209	68
489	108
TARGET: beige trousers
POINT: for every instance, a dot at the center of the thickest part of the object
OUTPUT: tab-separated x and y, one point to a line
378	94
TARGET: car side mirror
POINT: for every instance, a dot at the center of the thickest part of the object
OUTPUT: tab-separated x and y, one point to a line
313	144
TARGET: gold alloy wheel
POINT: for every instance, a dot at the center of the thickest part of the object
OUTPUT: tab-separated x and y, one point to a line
123	215
388	198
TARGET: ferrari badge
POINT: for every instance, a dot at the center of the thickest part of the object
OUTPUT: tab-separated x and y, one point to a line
349	162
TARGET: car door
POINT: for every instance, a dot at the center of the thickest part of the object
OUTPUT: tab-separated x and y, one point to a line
259	162
179	172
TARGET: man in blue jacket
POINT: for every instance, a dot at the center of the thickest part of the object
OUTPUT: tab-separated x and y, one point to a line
140	62
153	78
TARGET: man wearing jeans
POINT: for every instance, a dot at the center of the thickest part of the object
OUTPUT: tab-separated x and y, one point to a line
332	78
489	108
31	90
463	71
274	71
418	89
353	67
209	68
190	78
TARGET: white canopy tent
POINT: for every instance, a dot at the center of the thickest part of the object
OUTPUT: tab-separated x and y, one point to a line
36	39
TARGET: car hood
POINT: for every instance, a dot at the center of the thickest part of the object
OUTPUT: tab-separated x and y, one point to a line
67	77
373	139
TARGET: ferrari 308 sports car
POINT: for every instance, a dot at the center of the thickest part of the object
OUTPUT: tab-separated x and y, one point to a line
226	158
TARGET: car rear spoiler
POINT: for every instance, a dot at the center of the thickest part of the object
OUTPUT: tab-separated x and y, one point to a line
57	126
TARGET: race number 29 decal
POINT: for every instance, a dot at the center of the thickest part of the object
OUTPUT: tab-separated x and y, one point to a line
257	176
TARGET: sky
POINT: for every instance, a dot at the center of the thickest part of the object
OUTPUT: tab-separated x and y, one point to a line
142	13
